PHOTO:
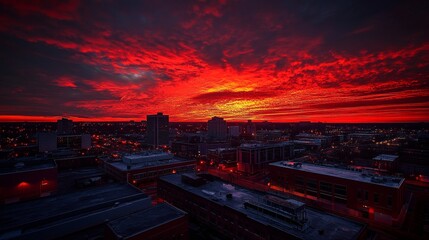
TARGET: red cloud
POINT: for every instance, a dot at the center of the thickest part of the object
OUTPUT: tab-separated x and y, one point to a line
65	81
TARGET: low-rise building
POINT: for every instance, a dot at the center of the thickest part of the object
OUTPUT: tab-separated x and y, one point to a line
238	213
226	156
27	178
48	142
110	211
386	162
146	166
254	158
379	198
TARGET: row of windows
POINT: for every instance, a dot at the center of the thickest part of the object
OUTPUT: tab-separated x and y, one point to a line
264	155
363	195
323	190
324	187
334	192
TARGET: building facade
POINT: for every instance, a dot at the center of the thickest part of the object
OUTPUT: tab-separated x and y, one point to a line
370	196
386	162
217	129
27	180
254	158
146	167
250	129
48	142
157	130
64	126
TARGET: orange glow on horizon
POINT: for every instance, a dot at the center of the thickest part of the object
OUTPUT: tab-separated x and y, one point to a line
24	118
327	119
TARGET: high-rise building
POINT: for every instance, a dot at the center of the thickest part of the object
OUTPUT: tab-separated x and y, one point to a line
64	126
217	129
157	130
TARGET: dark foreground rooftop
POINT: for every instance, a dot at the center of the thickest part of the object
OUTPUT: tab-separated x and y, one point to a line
147	219
62	214
392	182
318	225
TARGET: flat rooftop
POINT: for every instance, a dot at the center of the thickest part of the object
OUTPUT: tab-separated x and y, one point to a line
386	157
56	207
147	155
145	220
25	166
124	166
264	145
394	182
307	142
333	227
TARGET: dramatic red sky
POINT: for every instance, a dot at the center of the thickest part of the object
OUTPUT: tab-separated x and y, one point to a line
342	61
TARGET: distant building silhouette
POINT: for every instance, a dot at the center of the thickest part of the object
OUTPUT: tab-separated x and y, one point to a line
234	131
157	130
48	141
250	128
217	129
64	126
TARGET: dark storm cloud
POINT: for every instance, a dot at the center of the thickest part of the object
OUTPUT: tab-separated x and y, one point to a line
29	72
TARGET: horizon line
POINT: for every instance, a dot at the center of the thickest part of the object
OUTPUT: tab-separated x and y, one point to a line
53	119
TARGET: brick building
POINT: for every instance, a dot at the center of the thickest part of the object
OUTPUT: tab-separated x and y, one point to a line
238	213
371	196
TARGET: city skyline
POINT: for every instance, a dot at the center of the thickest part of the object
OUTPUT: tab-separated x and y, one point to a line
346	62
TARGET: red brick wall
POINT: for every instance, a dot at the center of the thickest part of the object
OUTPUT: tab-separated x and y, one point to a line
285	177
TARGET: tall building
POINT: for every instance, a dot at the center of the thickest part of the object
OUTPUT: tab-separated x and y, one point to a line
250	128
217	129
157	130
64	126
